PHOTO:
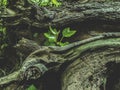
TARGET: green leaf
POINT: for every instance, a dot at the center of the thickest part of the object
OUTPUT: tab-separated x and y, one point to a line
53	31
68	33
51	38
4	31
44	2
34	1
56	3
62	44
3	2
31	87
47	35
1	29
47	43
4	46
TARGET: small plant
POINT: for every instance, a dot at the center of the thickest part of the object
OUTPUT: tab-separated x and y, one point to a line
45	2
53	37
31	87
56	3
3	3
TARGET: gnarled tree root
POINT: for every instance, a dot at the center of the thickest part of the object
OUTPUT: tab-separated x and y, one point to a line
86	68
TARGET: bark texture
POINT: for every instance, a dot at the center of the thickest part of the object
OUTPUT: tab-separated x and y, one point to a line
83	65
90	64
65	15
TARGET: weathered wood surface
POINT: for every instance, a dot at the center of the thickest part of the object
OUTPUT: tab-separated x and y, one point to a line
42	17
89	71
82	64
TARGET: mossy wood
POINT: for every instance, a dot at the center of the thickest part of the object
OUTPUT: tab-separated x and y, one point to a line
90	64
43	17
83	65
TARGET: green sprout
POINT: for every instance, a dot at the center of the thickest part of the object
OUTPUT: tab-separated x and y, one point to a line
45	2
3	3
53	37
31	87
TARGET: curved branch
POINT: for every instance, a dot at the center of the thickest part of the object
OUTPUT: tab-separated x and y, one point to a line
38	61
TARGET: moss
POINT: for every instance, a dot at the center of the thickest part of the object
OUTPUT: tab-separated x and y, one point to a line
112	42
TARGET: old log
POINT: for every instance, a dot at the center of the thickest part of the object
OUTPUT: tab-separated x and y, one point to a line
90	64
65	15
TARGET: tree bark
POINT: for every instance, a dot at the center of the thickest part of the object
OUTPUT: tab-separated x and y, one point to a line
66	14
83	64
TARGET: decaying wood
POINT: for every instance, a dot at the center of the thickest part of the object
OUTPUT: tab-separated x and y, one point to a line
86	62
26	46
67	14
89	71
82	65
